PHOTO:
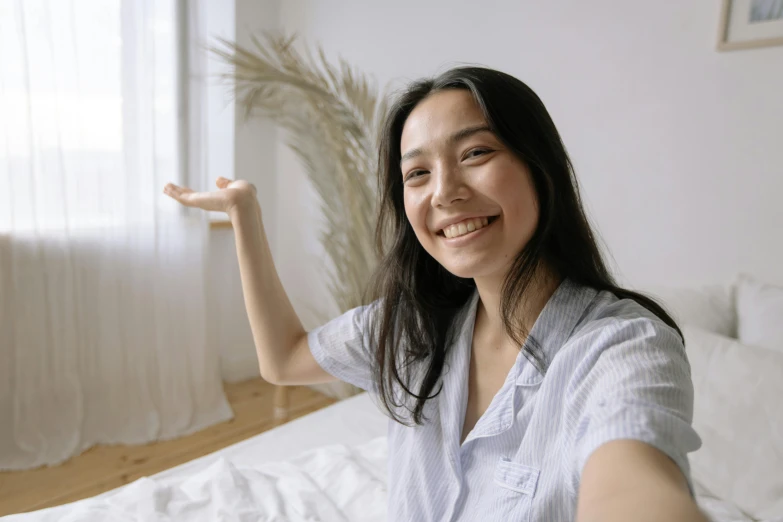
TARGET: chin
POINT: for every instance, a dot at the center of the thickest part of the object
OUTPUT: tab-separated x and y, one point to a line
464	274
466	271
473	265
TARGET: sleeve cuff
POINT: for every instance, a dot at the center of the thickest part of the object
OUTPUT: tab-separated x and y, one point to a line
664	431
331	365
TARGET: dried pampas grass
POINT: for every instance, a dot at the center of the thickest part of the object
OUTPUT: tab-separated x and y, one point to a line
332	116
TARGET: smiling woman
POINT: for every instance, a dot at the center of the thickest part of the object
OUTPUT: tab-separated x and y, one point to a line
525	383
493	303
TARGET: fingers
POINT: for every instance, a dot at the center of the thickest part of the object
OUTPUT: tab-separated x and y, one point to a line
181	194
171	190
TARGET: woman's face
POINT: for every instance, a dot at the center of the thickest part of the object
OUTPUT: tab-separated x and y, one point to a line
470	201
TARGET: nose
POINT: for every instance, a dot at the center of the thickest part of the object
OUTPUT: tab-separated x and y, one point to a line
450	188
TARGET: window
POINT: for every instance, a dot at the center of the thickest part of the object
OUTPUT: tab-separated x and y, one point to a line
89	130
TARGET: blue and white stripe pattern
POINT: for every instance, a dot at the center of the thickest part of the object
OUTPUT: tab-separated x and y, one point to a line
615	371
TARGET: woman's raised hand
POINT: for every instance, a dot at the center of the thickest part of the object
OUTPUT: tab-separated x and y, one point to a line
231	193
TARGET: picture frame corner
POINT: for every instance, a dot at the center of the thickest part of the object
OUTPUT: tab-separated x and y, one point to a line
724	43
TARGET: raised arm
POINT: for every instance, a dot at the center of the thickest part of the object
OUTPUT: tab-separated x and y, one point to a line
280	339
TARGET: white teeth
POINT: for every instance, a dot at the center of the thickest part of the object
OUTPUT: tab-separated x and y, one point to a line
469	225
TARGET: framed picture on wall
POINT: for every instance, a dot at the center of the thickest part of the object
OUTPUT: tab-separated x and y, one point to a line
746	24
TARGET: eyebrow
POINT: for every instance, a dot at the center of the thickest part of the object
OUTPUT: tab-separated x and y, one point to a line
454	138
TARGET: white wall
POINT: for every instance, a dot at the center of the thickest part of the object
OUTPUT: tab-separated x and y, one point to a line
678	148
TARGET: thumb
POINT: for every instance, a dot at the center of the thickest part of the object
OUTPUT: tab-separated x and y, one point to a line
222	182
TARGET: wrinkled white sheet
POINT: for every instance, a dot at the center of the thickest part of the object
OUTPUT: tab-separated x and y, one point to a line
333	483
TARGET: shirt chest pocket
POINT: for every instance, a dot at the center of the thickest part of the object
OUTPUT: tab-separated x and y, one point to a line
514	490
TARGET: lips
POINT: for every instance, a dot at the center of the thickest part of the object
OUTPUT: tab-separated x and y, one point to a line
467	226
466	229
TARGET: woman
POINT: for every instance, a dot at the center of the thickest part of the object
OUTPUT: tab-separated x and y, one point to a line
525	384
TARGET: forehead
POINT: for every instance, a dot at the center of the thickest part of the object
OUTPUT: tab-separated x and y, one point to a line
438	116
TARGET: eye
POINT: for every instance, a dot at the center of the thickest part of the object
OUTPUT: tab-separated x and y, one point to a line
414	174
475	153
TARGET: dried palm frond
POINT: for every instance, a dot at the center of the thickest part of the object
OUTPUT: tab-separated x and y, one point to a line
332	115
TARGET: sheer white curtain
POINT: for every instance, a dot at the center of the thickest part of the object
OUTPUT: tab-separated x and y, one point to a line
102	313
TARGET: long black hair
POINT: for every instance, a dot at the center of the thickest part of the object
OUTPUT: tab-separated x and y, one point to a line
418	299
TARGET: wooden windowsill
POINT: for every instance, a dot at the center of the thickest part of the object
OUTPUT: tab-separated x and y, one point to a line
220	224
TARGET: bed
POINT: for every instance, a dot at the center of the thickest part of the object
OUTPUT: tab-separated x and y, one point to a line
331	464
328	465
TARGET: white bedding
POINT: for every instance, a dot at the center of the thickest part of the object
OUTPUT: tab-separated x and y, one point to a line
350	422
326	466
241	475
335	482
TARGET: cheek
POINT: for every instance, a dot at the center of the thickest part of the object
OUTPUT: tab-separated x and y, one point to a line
517	198
524	205
416	211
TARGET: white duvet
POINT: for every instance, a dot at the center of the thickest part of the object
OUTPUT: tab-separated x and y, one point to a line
332	483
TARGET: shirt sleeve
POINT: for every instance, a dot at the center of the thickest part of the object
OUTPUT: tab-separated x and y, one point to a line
342	346
635	384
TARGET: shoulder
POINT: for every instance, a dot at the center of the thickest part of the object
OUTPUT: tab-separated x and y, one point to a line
364	315
619	343
610	321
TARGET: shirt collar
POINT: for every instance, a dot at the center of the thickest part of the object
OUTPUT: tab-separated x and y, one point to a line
556	322
553	327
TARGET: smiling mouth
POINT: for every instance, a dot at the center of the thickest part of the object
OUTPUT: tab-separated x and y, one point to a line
466	227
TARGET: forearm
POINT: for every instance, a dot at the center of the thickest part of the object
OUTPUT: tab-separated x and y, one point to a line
276	327
678	508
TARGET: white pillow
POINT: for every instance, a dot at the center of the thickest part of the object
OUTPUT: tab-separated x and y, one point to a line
717	508
738	412
760	314
708	307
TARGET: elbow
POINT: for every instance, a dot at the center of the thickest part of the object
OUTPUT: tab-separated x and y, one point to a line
282	369
270	375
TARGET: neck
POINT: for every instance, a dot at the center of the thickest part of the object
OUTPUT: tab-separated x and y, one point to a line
539	291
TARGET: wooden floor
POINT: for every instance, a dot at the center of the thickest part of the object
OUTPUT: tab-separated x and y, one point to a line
107	467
